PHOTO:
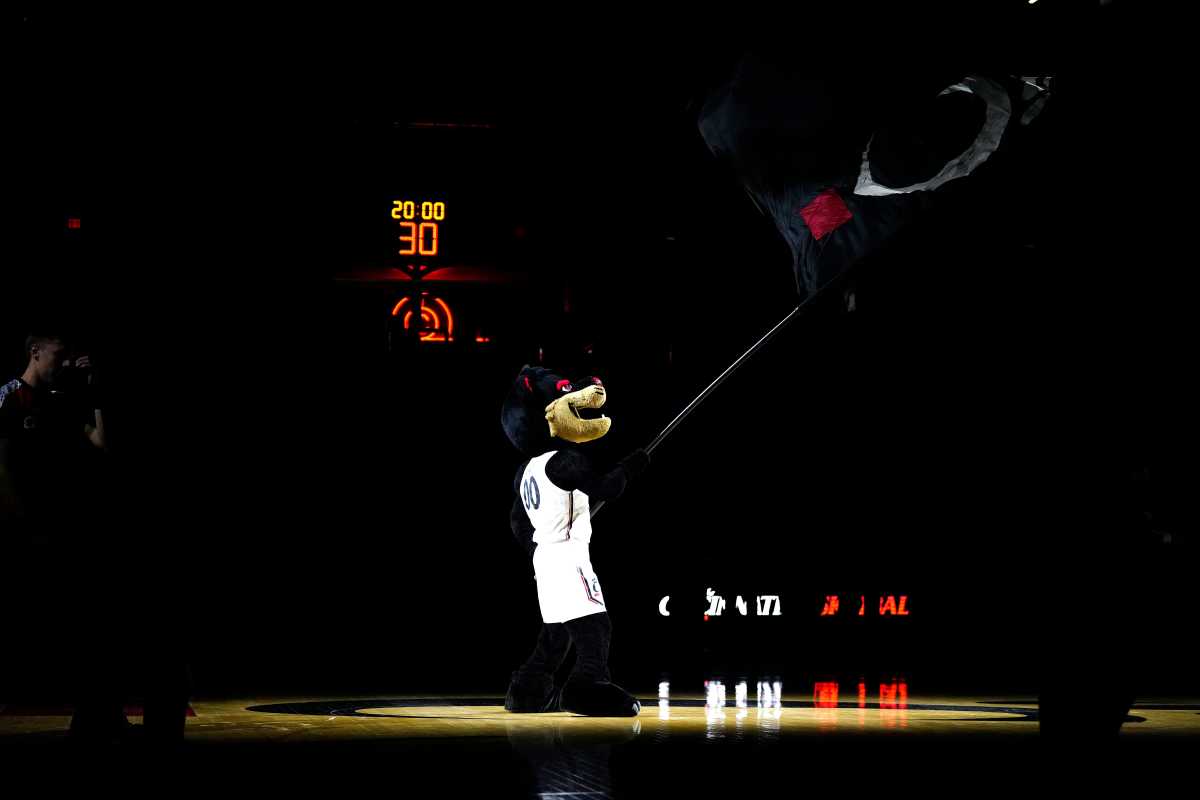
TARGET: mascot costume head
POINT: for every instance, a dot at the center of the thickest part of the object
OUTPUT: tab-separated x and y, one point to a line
544	411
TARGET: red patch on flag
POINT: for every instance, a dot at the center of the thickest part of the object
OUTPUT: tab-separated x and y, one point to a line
826	213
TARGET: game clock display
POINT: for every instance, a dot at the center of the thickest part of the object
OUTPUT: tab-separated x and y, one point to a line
420	226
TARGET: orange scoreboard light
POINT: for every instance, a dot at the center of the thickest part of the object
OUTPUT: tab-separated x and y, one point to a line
420	223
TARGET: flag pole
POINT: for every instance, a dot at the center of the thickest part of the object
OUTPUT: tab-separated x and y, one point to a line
730	370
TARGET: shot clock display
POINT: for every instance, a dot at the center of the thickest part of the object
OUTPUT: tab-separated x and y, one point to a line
420	222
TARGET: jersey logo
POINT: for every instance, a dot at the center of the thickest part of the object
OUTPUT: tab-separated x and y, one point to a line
592	590
531	495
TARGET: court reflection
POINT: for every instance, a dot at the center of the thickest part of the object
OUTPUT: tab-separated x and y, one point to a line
567	759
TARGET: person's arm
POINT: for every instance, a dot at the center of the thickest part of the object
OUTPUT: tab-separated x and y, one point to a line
570	470
95	433
93	430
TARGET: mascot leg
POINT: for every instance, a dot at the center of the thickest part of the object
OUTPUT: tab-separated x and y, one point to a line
588	689
532	686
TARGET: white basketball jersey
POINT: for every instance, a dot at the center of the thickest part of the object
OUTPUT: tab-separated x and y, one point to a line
557	515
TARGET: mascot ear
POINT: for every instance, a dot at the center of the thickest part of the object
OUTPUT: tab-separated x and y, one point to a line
523	377
515	415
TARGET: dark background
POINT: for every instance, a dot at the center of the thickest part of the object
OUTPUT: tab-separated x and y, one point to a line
304	507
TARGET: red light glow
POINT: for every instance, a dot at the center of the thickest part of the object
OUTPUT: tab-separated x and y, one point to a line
420	239
825	694
430	321
893	695
427	239
887	605
893	704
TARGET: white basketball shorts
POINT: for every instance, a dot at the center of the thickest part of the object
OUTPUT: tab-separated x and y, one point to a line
567	587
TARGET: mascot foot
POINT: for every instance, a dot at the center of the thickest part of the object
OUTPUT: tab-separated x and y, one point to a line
598	699
531	694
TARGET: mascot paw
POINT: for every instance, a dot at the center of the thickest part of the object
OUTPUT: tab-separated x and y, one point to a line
531	694
598	699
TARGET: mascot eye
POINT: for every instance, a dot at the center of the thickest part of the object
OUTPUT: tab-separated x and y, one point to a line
564	386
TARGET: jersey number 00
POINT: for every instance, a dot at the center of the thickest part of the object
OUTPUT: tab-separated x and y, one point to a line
531	495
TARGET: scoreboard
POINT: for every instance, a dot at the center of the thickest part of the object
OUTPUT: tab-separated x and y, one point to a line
420	226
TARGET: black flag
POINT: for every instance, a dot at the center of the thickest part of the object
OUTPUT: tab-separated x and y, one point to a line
842	164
